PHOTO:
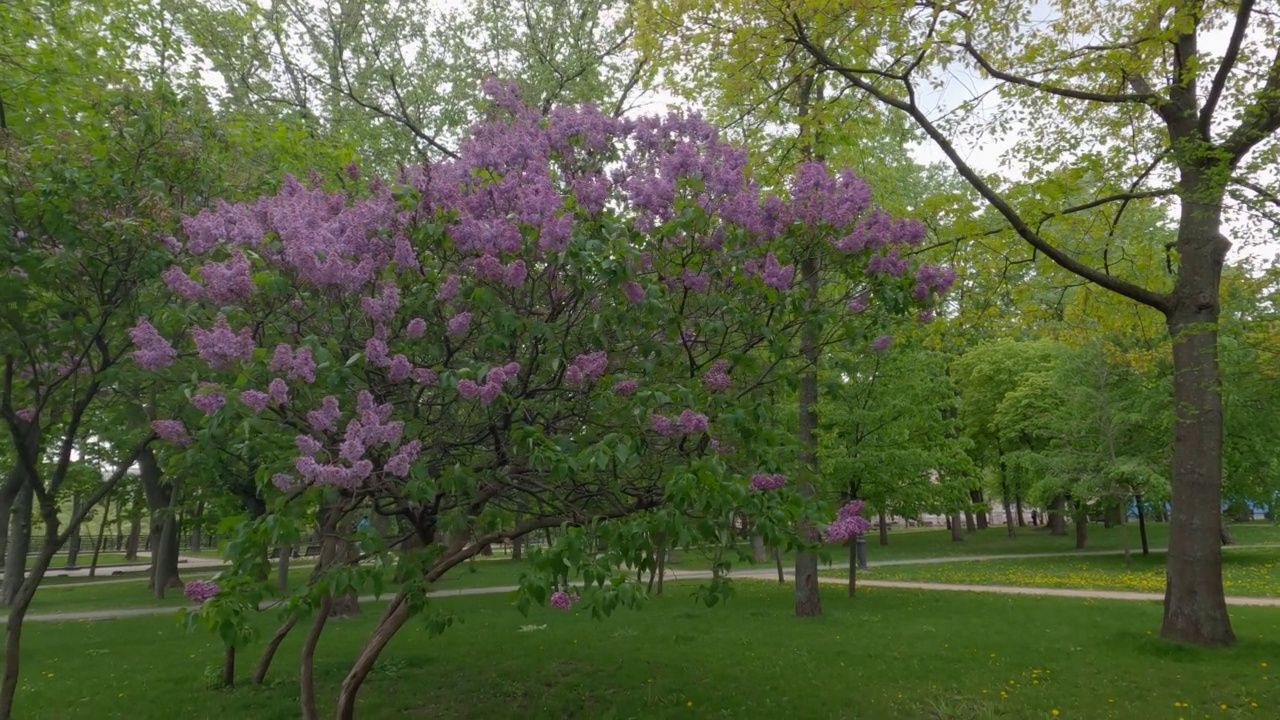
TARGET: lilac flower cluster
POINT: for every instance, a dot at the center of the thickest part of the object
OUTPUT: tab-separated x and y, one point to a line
882	343
848	523
284	482
26	414
587	368
200	590
227	282
209	398
171	430
154	352
299	365
493	382
625	388
688	423
221	347
256	400
458	324
181	284
561	600
717	377
931	277
634	292
325	417
768	482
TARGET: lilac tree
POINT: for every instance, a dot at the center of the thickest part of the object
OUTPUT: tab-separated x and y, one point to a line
574	324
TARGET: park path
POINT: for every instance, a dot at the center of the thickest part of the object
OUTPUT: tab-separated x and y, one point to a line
677	576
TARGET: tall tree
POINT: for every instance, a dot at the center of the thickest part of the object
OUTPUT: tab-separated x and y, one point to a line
1132	100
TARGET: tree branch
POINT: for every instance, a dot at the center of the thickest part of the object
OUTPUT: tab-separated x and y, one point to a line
1015	220
1224	70
1066	92
1261	118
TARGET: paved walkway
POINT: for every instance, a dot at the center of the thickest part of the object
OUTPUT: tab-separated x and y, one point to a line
677	576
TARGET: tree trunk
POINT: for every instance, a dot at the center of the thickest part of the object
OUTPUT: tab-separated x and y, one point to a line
853	567
978	501
759	555
162	501
777	559
662	560
392	620
306	675
1057	520
102	530
197	527
135	526
957	535
1142	526
269	653
1224	533
15	566
517	544
1022	520
73	543
969	524
13	629
808	602
282	569
1008	516
884	529
1195	608
229	667
1082	531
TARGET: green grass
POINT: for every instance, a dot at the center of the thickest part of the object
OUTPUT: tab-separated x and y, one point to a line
84	595
1245	571
889	654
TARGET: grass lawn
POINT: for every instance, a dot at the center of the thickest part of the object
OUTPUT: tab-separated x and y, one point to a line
933	543
89	595
888	654
1245	571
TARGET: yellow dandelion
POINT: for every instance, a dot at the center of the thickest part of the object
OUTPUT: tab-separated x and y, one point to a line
689	704
1253	704
1263	664
1055	712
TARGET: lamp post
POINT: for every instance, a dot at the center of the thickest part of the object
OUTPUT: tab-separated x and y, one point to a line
861	541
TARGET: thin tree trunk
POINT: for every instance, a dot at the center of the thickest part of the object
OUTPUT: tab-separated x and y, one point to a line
229	667
269	652
853	567
957	535
197	527
517	544
777	558
1008	516
1224	533
392	620
1022	520
306	676
282	569
808	601
1142	526
15	566
1195	607
884	529
135	525
73	544
1082	532
102	531
759	554
969	524
662	561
